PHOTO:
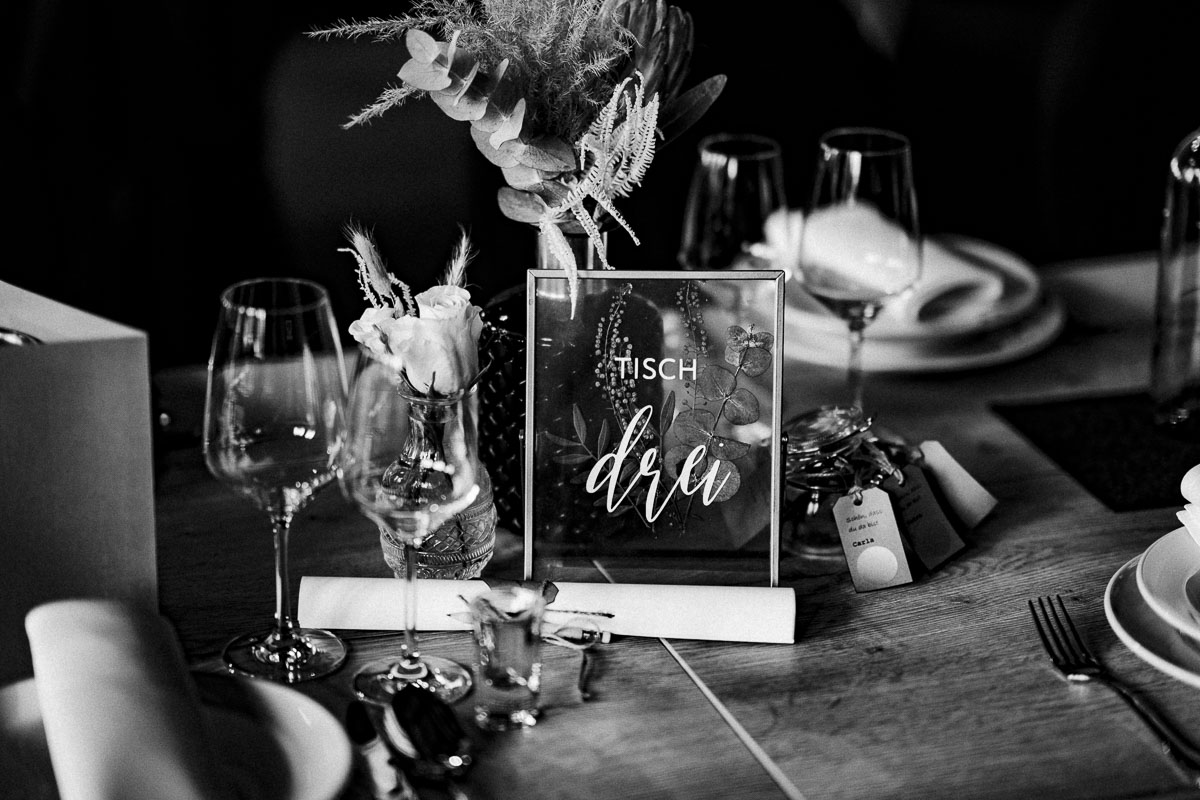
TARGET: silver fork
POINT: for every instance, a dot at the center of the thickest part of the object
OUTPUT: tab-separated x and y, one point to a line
1075	661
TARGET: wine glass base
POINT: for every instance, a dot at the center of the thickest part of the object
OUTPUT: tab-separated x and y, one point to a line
447	679
304	655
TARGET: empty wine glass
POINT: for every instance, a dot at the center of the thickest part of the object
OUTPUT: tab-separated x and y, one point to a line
409	462
861	243
737	183
272	418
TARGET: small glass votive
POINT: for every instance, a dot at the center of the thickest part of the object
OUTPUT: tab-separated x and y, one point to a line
508	639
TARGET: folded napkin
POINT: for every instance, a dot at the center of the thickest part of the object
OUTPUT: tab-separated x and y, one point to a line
951	289
1189	515
121	713
722	613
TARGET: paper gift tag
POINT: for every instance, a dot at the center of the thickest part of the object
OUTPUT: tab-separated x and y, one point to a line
969	501
871	540
929	532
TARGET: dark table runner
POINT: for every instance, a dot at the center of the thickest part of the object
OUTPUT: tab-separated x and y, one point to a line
1110	445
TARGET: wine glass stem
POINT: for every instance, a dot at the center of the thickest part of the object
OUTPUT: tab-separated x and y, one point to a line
854	376
411	655
284	625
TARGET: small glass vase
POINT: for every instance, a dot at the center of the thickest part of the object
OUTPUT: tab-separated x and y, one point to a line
461	547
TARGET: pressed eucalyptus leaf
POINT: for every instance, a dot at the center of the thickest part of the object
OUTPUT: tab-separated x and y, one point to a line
742	407
727	449
729	478
675	457
715	382
602	439
694	427
572	458
756	361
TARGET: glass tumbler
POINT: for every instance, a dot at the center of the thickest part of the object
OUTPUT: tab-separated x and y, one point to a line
1175	361
508	638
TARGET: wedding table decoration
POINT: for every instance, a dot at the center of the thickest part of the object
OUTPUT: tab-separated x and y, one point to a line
432	338
570	99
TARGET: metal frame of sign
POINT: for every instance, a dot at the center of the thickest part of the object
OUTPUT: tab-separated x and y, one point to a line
649	395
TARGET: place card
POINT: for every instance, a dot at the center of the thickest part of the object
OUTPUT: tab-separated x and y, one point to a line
966	497
871	538
925	525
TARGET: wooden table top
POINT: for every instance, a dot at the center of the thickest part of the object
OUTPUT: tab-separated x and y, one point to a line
937	689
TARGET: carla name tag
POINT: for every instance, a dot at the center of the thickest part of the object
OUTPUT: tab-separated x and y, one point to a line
929	532
871	541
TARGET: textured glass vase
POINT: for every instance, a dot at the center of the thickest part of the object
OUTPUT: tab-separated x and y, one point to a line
502	387
461	547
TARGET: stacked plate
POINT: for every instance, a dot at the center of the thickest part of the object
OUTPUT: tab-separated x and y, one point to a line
1153	605
976	305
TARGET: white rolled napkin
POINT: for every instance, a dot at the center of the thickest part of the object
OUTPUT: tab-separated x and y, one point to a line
720	613
121	713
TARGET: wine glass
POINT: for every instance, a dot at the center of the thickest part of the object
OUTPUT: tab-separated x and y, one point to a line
737	184
272	419
861	243
409	462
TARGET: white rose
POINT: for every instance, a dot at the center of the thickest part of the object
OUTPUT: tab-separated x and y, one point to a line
446	302
373	328
439	350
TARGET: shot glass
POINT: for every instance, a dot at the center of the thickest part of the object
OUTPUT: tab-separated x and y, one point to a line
1175	365
508	638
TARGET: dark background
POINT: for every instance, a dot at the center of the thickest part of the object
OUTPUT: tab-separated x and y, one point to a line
163	151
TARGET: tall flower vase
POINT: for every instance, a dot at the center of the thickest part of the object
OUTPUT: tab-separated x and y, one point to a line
461	547
502	387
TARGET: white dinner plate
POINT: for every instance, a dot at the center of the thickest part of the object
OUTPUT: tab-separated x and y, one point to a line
1144	632
276	743
1163	574
1022	338
1021	293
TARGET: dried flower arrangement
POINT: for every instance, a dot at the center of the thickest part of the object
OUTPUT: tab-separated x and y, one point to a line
570	98
432	337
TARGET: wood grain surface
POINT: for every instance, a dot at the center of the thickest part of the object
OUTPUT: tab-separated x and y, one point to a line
937	689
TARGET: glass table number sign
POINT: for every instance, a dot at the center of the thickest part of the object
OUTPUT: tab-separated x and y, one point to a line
653	433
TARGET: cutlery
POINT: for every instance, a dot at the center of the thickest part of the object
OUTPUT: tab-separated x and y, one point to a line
1072	657
387	781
